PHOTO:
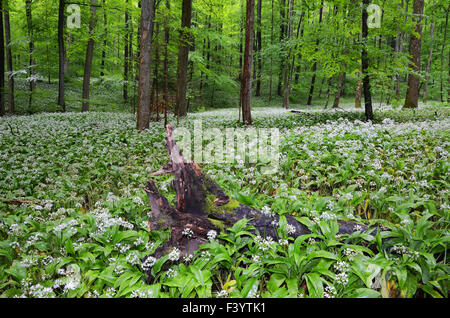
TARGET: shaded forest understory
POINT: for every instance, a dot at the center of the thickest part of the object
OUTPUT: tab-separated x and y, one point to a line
350	200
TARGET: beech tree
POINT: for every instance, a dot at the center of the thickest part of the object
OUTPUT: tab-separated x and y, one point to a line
183	56
61	50
89	57
2	65
415	46
146	31
246	83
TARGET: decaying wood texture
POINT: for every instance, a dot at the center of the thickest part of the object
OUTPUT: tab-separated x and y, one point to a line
202	205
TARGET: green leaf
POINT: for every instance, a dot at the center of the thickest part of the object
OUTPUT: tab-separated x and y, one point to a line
315	285
275	281
364	293
18	271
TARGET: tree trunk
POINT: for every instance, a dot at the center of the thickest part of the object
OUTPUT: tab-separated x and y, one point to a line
30	51
9	63
105	32
339	90
415	45
2	64
143	112
430	59
271	59
246	83
314	68
126	57
203	206
282	39
259	48
89	56
358	91
183	57
286	80
365	63
166	56
61	51
442	55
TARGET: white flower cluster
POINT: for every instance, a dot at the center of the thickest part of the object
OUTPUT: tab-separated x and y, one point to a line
188	233
175	254
148	263
350	253
403	250
222	294
211	234
104	220
330	292
264	244
72	224
133	258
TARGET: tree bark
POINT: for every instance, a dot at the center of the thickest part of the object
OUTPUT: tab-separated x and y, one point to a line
286	80
365	63
166	55
183	58
89	57
246	83
314	68
143	112
259	48
61	51
415	45
282	38
339	90
105	31
430	59
126	57
30	51
271	59
9	63
442	54
2	64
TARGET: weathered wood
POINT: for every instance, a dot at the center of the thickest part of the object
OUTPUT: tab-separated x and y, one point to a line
202	206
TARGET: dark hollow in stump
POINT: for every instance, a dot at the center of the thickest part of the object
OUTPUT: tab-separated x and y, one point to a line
202	205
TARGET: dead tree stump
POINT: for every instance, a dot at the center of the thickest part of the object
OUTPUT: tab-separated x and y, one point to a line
202	205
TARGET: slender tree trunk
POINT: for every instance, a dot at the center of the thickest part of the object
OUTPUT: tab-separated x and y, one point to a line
143	112
442	55
282	39
105	32
358	91
126	57
2	64
9	63
314	68
286	81
183	56
415	45
30	50
61	51
330	82
166	56
259	48
430	59
271	59
246	85
365	63
339	90
89	56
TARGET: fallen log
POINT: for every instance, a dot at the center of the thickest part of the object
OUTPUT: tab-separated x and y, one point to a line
202	206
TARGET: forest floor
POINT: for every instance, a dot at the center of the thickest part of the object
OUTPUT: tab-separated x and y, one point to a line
86	233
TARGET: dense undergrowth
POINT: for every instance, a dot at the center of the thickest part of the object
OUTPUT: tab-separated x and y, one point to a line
88	235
